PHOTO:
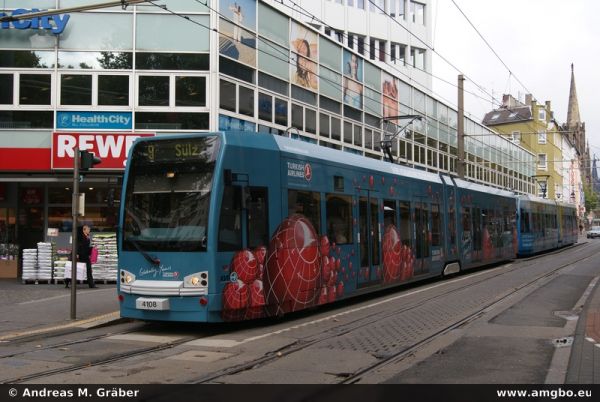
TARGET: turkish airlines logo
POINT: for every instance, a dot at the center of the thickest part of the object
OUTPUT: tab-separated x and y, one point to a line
307	172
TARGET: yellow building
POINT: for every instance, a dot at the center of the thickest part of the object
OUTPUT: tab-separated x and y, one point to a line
533	127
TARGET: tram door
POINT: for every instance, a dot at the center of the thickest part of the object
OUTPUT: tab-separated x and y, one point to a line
369	239
422	240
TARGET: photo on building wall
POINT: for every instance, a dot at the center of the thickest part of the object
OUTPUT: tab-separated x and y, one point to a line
304	72
240	12
305	55
389	89
353	66
243	50
353	92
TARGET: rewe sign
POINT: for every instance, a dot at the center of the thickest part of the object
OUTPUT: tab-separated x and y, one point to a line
112	148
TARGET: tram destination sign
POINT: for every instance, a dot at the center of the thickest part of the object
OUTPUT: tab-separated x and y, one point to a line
195	149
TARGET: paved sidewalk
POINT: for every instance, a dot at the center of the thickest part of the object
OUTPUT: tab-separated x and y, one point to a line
29	309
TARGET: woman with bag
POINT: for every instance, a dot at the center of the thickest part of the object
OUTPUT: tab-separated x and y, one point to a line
84	251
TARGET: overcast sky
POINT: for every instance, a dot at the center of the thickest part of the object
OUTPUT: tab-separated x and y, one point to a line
537	39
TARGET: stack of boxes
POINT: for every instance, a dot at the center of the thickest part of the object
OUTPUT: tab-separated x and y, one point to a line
105	269
44	260
29	264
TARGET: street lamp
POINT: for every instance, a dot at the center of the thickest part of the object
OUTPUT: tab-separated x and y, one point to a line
386	143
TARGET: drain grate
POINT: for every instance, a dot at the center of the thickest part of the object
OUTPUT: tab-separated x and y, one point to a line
562	342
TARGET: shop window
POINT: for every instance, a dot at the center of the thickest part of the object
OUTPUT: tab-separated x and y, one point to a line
330	105
336	129
347	132
265	107
311	121
171	121
153	91
95	60
304	96
298	117
35	89
190	91
236	70
273	84
6	89
172	61
227	97
324	125
339	219
26	119
7	227
75	89
281	112
368	139
307	204
27	59
113	90
358	135
246	101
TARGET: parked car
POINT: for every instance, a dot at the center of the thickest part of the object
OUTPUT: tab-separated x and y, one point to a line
593	232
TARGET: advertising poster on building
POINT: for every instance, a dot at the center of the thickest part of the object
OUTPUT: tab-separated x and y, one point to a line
353	76
305	55
389	89
234	41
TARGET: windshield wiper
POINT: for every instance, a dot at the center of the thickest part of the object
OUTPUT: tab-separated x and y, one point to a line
152	260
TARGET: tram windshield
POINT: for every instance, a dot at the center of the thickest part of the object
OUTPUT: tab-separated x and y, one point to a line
168	195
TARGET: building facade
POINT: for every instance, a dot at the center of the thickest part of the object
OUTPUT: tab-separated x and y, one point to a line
328	72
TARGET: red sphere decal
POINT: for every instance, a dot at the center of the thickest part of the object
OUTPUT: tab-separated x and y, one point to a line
246	266
391	255
293	268
235	296
371	181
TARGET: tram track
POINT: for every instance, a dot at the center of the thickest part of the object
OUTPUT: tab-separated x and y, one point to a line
305	343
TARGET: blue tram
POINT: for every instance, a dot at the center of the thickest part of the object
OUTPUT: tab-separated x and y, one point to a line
235	226
544	225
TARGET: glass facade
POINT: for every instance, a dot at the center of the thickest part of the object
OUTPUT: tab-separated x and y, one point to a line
272	72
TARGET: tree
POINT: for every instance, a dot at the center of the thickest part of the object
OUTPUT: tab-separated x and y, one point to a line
591	198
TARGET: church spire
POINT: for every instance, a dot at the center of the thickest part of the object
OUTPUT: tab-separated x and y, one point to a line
573	111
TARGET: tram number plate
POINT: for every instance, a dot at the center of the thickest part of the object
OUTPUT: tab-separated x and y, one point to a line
144	303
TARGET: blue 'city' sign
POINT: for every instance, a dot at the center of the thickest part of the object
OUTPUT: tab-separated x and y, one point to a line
94	120
54	23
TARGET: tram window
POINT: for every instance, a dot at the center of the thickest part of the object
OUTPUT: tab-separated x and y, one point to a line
307	204
405	223
436	239
338	183
389	213
525	228
258	217
477	238
339	218
466	219
230	229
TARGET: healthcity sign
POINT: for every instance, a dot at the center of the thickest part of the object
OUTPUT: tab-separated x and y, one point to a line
54	23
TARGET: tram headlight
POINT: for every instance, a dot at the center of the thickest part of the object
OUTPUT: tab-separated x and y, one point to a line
126	277
196	280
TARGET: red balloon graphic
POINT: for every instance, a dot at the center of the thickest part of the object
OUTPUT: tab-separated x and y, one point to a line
245	265
292	274
257	301
392	255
